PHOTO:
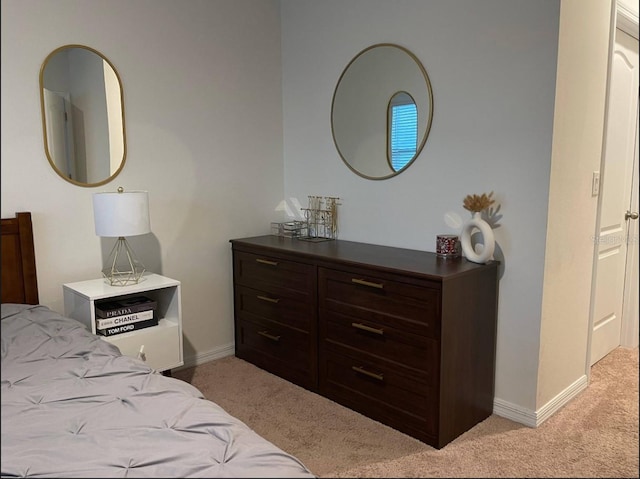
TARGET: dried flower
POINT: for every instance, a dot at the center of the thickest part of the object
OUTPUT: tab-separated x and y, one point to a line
477	203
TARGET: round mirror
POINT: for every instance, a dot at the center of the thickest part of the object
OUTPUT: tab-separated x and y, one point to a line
82	115
381	111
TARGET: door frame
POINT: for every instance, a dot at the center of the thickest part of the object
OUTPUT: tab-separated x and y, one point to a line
630	323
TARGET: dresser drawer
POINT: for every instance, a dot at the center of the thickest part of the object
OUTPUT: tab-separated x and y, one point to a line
384	393
402	305
286	352
280	342
383	342
275	275
251	303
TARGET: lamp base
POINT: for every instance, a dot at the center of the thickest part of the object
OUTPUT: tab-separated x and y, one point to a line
122	267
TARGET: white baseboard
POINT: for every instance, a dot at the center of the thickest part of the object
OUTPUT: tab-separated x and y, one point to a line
514	412
217	353
535	418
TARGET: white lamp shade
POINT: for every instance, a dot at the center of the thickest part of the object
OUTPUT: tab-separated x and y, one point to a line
121	213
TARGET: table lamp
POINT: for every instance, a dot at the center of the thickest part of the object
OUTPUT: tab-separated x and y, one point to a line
117	215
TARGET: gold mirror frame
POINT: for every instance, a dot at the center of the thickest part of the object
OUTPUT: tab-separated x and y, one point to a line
418	87
77	170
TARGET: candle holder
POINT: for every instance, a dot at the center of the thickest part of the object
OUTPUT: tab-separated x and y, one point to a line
447	246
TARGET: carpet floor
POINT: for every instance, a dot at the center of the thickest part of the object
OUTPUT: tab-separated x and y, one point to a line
594	435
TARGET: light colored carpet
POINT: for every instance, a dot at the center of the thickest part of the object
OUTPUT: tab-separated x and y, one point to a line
595	435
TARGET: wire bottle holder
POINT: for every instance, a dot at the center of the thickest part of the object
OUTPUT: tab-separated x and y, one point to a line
321	219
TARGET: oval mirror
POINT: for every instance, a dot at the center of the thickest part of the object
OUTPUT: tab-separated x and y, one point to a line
82	115
381	111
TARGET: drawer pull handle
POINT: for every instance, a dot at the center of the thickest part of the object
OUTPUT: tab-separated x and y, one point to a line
266	298
364	327
266	261
367	283
360	370
269	336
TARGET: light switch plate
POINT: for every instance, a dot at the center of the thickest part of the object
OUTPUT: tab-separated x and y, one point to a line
595	184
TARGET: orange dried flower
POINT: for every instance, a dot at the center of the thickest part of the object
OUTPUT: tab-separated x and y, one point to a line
477	203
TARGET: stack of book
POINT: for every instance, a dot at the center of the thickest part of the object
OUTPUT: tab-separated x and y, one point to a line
125	315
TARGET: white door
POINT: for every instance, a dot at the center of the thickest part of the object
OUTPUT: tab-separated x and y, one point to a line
59	131
615	201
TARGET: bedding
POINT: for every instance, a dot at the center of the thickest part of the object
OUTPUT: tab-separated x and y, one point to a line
73	406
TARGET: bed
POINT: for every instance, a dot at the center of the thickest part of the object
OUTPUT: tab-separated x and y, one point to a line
73	406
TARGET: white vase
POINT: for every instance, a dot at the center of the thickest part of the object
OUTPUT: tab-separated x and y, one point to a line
485	252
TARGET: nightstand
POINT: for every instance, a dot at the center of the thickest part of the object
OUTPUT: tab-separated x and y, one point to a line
159	346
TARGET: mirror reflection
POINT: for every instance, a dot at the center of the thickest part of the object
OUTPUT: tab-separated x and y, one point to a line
402	136
82	115
381	112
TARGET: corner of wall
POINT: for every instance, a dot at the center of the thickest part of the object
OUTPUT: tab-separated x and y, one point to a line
536	418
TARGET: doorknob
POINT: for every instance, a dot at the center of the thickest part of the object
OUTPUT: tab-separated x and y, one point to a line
629	215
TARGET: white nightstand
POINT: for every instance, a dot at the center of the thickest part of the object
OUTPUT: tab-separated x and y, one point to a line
161	345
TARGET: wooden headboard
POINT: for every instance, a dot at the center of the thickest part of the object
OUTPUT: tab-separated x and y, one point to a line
19	281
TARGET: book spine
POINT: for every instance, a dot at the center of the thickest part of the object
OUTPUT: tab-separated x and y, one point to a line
123	310
125	319
126	328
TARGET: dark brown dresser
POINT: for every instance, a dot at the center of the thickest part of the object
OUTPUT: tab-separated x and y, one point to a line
399	335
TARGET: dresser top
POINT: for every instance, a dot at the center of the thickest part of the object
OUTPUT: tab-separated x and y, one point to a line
421	263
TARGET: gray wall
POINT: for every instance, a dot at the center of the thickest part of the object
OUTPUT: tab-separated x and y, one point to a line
492	66
203	113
